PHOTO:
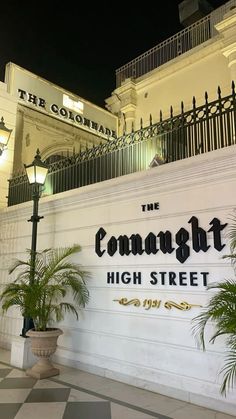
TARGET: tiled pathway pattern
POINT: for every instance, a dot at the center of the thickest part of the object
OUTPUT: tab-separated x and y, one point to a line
76	394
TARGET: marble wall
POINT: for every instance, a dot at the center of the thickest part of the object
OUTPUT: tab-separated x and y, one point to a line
138	328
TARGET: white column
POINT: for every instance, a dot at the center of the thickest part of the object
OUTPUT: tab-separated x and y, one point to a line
123	103
228	32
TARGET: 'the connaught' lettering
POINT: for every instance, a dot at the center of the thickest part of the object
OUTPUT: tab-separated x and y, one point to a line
153	243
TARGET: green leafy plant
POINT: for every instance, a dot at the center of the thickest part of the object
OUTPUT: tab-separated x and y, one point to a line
55	277
221	310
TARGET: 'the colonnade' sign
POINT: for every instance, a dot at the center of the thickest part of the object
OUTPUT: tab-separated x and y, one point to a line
66	114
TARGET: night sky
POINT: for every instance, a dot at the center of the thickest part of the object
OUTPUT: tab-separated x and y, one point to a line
78	45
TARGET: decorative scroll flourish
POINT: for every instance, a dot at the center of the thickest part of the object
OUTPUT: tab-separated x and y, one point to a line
150	303
125	302
181	306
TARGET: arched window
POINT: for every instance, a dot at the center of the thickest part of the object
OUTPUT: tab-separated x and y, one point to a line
53	158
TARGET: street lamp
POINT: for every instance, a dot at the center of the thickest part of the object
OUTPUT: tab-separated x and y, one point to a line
4	136
36	172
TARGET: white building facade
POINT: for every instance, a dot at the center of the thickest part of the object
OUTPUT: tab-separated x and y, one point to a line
198	70
137	327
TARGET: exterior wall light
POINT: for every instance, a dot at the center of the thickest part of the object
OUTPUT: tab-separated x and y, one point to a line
157	161
37	171
4	136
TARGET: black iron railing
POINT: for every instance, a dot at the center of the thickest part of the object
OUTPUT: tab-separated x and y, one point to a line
199	130
185	40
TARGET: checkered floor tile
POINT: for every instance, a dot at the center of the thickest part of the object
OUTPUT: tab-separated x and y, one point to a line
75	394
24	397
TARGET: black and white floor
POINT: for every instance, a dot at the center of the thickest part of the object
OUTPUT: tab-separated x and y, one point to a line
76	394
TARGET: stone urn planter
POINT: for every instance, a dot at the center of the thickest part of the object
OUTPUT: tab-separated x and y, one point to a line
43	345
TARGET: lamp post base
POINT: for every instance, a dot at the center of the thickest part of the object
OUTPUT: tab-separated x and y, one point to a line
27	325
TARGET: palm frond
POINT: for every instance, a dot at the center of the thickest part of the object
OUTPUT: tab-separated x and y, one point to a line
55	277
229	371
221	311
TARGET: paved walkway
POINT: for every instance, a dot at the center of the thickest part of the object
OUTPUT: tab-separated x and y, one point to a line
75	394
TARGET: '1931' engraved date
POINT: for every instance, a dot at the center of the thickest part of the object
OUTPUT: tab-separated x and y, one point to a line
149	303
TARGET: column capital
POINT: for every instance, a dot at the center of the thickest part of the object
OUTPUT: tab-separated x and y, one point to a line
226	29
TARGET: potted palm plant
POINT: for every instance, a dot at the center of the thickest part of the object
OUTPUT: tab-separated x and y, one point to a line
221	310
43	299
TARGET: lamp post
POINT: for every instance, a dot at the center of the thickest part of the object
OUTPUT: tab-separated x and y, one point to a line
4	136
36	172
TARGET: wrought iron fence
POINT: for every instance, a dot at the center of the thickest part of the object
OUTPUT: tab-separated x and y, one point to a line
199	130
176	45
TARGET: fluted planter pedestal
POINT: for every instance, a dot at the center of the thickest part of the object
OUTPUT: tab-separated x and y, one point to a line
43	345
